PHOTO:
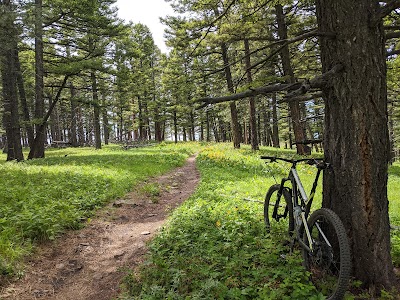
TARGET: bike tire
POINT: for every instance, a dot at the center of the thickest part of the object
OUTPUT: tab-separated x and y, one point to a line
329	265
286	208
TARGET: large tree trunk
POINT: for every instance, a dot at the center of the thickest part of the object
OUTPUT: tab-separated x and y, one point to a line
10	115
38	146
356	133
8	74
294	106
232	104
252	101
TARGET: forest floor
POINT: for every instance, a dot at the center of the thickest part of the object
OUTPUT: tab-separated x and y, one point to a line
89	264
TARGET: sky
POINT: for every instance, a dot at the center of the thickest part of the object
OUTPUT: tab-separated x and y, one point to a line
148	13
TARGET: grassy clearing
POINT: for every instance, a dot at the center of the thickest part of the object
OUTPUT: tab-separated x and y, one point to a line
39	199
215	245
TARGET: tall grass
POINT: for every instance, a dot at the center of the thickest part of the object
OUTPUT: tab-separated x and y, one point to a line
215	245
41	198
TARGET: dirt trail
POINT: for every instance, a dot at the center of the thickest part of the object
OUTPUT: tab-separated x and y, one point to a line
86	264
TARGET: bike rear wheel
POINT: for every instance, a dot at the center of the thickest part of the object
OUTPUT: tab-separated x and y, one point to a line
284	207
329	263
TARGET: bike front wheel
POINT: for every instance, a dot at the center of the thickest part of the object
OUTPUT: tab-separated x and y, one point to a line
329	262
283	206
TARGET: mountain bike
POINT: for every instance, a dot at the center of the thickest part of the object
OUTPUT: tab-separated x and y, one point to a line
321	235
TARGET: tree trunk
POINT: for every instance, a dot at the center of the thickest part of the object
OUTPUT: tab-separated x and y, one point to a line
288	72
96	111
10	115
232	104
252	101
265	126
208	131
147	131
8	68
356	133
175	126
81	131
73	133
215	128
40	135
55	132
41	130
157	125
140	116
184	133
192	126
275	129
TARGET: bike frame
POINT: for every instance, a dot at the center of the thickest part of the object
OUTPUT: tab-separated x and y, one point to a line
301	203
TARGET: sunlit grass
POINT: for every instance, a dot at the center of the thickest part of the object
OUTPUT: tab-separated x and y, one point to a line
41	198
215	245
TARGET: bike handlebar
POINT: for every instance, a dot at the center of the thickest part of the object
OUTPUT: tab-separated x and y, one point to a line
318	162
308	142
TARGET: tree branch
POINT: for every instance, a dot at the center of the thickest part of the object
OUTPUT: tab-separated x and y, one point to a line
296	89
249	93
392	35
284	43
211	25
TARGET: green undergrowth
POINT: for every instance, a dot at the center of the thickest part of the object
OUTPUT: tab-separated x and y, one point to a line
41	198
394	210
215	245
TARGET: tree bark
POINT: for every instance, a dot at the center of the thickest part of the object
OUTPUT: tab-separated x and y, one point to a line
73	132
252	101
10	115
8	49
81	131
208	131
294	106
175	126
356	140
232	104
96	111
40	135
141	121
275	128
